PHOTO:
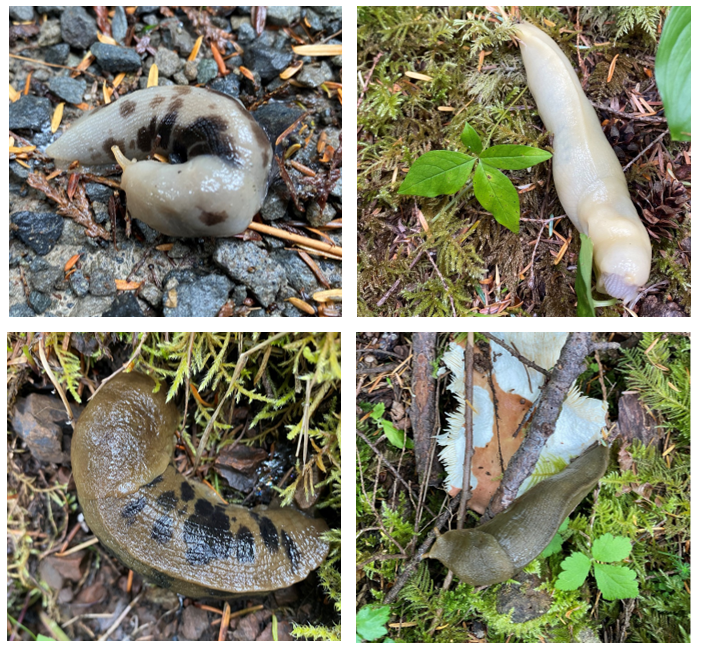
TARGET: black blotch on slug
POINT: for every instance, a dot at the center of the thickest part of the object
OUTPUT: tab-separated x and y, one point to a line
167	500
205	135
244	545
267	530
187	492
163	529
207	534
294	555
155	482
158	578
132	509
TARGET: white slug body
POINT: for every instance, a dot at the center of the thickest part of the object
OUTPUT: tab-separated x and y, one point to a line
588	176
220	158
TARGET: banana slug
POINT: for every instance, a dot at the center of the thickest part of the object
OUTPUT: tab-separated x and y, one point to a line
171	530
588	176
220	158
499	549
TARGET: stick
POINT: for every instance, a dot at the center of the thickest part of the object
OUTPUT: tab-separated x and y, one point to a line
301	240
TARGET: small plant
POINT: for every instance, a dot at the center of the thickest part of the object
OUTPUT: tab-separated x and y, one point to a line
614	581
394	435
445	172
371	623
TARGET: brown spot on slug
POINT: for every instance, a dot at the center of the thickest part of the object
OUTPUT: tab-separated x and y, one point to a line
127	108
211	218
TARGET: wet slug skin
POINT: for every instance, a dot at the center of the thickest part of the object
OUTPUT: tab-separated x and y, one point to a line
172	530
219	158
500	548
588	176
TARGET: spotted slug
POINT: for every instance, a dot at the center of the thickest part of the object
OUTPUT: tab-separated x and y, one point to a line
588	176
499	549
219	158
174	531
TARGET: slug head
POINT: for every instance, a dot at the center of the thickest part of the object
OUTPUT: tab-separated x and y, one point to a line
126	426
476	558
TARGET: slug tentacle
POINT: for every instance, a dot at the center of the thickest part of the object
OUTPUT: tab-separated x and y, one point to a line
219	156
588	176
168	528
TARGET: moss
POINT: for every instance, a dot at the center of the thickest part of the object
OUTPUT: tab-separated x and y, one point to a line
475	71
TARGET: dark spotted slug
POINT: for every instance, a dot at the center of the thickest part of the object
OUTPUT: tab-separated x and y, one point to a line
171	530
220	158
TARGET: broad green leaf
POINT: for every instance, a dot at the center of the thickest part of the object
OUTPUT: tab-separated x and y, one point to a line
377	411
440	172
395	436
554	546
673	72
616	582
575	571
583	284
471	139
514	157
497	195
371	621
608	548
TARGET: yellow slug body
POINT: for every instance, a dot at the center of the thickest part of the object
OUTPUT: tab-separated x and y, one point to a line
588	176
172	530
499	549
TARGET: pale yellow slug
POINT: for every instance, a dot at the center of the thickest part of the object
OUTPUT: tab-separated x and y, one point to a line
588	176
173	530
499	549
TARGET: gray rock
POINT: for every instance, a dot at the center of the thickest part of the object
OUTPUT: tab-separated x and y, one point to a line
168	62
119	25
251	265
282	16
78	28
102	283
313	75
42	275
57	53
78	283
23	13
40	231
68	89
38	301
21	310
196	296
318	218
115	59
30	112
207	71
267	61
125	305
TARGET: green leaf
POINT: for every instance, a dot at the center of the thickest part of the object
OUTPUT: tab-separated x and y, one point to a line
554	546
514	157
608	548
673	72
371	620
616	582
497	195
583	284
471	139
575	571
440	172
395	436
377	411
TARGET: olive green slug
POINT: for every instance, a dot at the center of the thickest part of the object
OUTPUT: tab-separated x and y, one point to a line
499	549
174	531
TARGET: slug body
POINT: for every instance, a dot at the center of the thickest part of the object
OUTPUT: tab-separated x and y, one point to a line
171	530
588	176
499	549
220	158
